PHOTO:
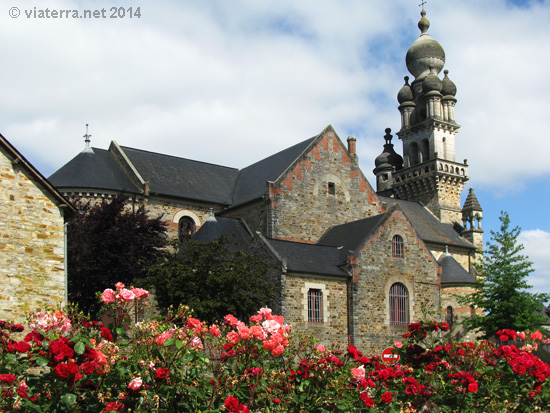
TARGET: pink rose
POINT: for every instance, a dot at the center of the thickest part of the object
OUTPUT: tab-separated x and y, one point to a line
537	335
196	342
233	337
119	285
215	330
256	319
258	332
522	335
277	351
265	312
125	295
140	293
244	332
108	296
163	337
398	344
135	383
320	348
358	374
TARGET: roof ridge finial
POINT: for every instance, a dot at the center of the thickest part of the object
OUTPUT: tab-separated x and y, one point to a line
87	137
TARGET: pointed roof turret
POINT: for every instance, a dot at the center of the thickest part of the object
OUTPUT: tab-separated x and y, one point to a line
388	158
471	202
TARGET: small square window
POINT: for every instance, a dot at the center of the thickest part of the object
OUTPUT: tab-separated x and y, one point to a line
331	188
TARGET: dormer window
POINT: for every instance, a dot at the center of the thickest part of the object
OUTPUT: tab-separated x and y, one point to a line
397	246
331	188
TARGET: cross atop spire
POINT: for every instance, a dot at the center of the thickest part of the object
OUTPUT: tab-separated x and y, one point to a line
87	137
422	4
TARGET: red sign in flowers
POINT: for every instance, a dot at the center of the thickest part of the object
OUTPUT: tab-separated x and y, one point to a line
389	356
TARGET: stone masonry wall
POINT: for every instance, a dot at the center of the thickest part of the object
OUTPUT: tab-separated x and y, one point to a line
460	311
333	329
171	210
325	188
32	274
378	271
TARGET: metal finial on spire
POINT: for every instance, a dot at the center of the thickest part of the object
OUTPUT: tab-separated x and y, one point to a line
422	4
87	137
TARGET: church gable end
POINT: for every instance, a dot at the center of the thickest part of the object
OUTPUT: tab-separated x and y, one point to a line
396	275
324	187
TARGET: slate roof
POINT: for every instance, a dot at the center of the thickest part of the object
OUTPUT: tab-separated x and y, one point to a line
252	180
352	235
453	272
95	169
311	258
232	228
177	177
428	226
184	178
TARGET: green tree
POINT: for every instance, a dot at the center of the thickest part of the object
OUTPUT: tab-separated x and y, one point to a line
107	243
213	279
502	288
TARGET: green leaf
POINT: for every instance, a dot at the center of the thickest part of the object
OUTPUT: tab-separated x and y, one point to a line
68	399
120	331
41	361
169	341
179	344
80	347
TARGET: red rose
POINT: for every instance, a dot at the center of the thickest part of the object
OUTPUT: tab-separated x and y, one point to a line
7	378
473	387
114	407
22	346
161	373
369	401
232	404
387	397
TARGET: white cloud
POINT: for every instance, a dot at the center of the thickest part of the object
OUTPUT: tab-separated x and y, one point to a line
232	82
537	248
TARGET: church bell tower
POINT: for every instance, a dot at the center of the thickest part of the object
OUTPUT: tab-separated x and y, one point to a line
430	172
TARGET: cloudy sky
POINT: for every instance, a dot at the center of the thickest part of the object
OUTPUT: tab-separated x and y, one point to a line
233	81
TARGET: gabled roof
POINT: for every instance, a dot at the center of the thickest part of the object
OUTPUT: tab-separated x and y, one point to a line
311	258
94	169
184	178
19	159
453	272
352	235
173	176
252	180
428	227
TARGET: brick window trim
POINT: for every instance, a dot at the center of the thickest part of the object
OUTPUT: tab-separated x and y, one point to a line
401	280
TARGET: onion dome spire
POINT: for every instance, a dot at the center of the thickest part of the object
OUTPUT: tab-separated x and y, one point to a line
449	88
406	93
388	158
425	55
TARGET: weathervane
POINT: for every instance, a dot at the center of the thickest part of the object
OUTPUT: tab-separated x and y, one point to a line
87	138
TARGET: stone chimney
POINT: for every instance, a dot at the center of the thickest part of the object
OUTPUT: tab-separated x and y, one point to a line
352	148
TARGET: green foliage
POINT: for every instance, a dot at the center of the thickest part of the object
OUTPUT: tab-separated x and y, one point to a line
211	278
108	243
502	285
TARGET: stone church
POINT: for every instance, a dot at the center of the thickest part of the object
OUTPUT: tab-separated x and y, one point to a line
353	264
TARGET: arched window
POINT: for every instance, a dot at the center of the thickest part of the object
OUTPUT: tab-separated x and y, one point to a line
186	228
397	246
399	305
413	153
315	306
425	150
450	315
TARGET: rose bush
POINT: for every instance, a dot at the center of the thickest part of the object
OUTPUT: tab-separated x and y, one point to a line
66	362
